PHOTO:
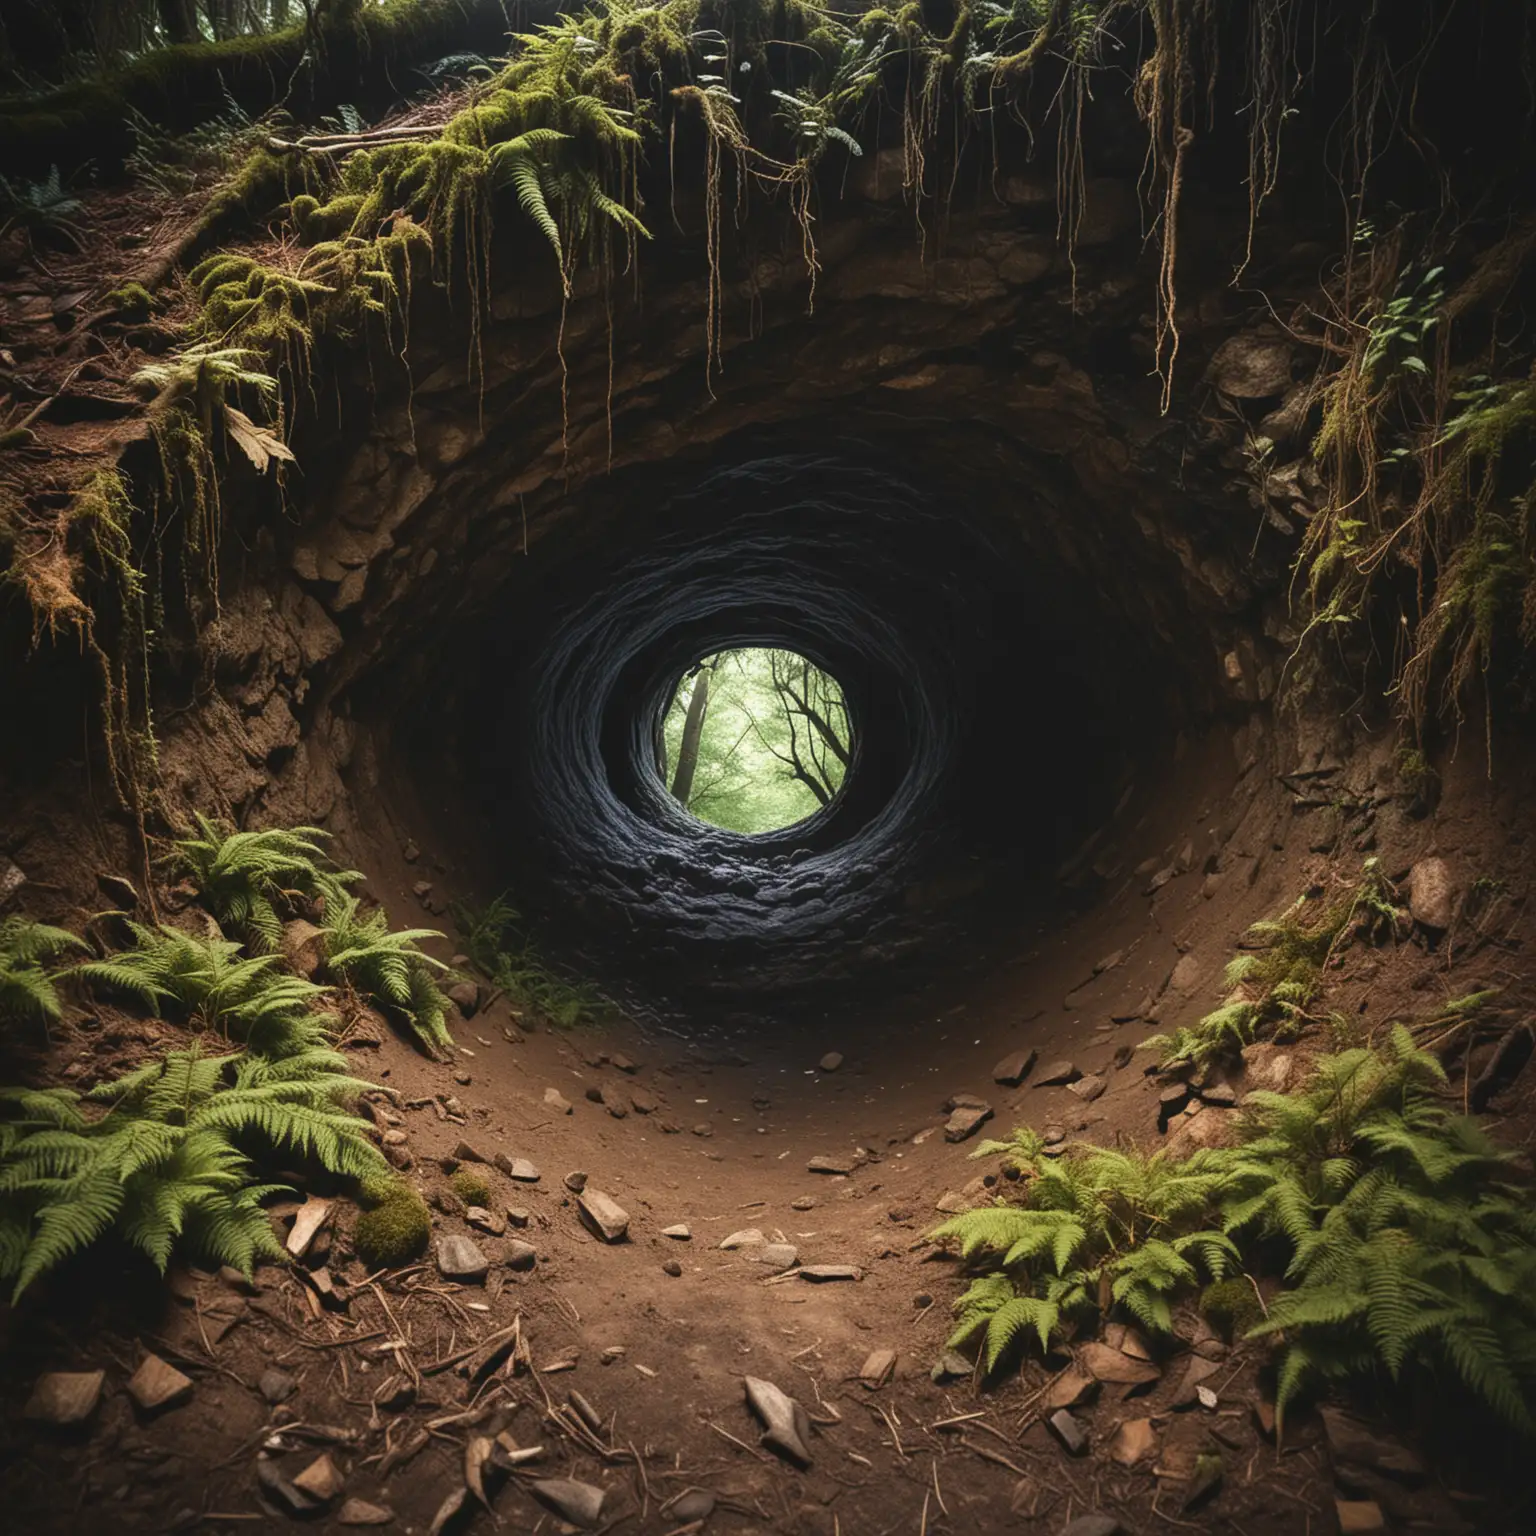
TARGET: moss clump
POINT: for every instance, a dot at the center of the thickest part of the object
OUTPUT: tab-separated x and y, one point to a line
471	1188
133	301
397	1228
1231	1307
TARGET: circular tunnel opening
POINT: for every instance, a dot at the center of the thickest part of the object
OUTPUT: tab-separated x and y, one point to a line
756	739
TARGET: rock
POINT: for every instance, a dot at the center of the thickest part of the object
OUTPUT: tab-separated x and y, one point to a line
463	1079
1353	1442
742	1239
1185	976
802	1203
467	1152
518	1168
1196	1372
604	1215
643	1102
279	1491
1094	1524
1207	1398
1115	1366
823	1164
691	1508
1069	1390
1209	1471
276	1386
12	878
1253	365
951	1366
1128	1341
459	1259
966	1121
831	1061
822	1272
579	1503
1013	1068
681	1232
878	1368
1222	1095
520	1255
576	1182
671	1267
64	1398
1431	894
465	996
1087	1088
621	1063
519	1216
614	1097
785	1425
1070	1431
156	1386
963	1101
312	1215
1134	1441
360	1512
303	947
320	1480
1358	1517
1109	962
779	1256
485	1221
557	1101
1057	1073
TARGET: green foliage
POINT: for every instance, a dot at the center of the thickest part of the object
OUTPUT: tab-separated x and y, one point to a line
1273	988
1231	1306
395	1229
243	876
472	1188
207	984
38	205
27	994
133	301
1095	1228
1396	337
508	956
390	967
168	1164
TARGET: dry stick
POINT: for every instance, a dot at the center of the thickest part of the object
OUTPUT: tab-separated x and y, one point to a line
734	1441
449	1361
939	1492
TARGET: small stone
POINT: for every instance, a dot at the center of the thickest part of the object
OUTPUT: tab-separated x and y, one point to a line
691	1508
1057	1073
671	1267
156	1386
1431	894
951	1366
779	1256
1070	1431
520	1255
312	1215
1223	1095
1206	1398
1173	1098
605	1215
422	889
823	1272
802	1203
742	1239
576	1182
1134	1441
1013	1068
1087	1088
280	1491
786	1427
320	1480
1116	1367
410	853
1094	1524
465	996
1185	976
459	1259
831	1061
519	1216
1195	1373
1352	1440
12	878
1053	1136
1359	1517
557	1101
824	1164
360	1512
963	1101
682	1232
579	1503
463	1079
467	1152
966	1121
622	1063
276	1386
65	1398
878	1368
612	1353
1070	1390
394	1137
485	1221
703	1128
643	1102
518	1168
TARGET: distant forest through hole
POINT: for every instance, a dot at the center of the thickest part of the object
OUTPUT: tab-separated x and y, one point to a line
755	740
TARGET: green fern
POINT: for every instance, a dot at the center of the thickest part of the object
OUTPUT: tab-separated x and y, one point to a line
27	993
168	1165
496	942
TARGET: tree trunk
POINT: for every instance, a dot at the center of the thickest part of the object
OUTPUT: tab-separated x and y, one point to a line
688	748
178	21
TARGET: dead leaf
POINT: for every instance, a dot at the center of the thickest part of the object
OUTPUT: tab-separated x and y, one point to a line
259	444
476	1454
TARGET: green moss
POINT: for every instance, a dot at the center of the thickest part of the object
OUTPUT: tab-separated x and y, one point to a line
472	1188
1231	1307
133	301
16	437
397	1228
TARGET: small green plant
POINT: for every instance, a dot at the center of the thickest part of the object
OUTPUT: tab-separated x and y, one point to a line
508	956
207	984
201	377
1398	334
396	1227
1231	1307
472	1188
27	993
390	967
244	877
36	206
167	1164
